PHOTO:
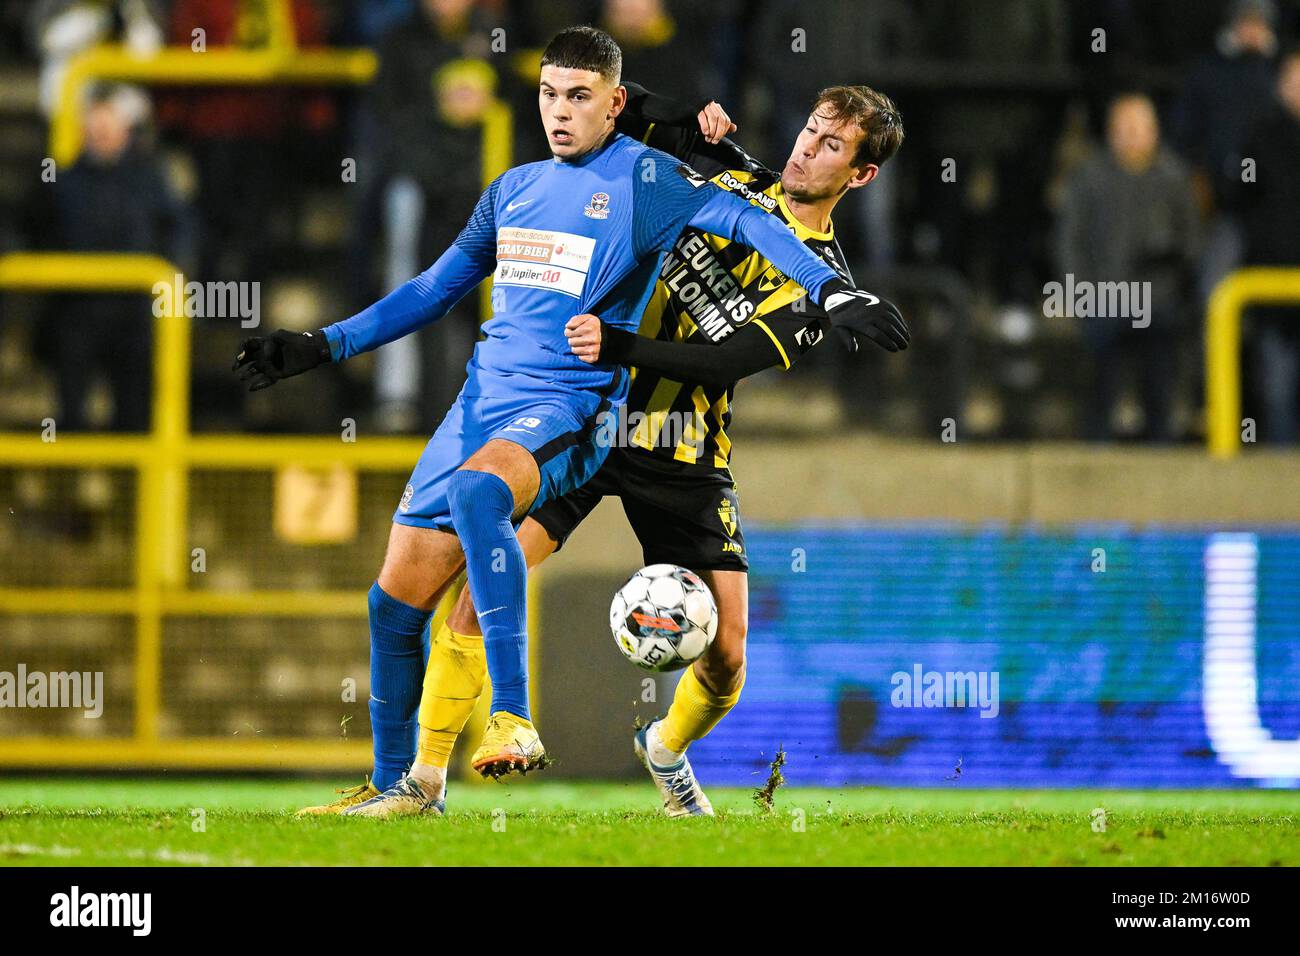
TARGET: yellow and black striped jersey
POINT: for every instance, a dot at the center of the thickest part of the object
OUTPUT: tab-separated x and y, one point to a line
709	287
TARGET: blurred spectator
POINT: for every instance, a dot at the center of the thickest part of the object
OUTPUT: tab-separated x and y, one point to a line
1128	216
1001	181
655	48
433	87
1143	37
1224	97
806	45
404	96
115	198
1269	207
241	135
64	28
366	21
982	87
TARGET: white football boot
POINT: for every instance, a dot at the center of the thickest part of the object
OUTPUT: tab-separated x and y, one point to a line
683	796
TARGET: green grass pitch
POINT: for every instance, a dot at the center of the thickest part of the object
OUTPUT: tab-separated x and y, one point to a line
98	821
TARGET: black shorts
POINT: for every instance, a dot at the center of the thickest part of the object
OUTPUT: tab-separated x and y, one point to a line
682	514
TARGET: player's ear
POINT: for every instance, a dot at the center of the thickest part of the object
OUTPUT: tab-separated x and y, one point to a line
618	101
863	174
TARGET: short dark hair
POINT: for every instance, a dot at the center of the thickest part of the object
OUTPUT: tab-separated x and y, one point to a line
585	48
873	112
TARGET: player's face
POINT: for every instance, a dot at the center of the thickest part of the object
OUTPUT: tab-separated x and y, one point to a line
821	163
578	109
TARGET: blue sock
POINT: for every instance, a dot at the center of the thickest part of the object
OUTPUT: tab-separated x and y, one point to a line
498	575
399	650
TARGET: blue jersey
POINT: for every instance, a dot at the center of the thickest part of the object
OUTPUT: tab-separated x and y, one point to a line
561	239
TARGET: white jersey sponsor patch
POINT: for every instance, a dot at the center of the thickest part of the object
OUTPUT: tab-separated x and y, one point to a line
543	259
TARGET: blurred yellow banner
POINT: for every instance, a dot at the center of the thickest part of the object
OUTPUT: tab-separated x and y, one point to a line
316	505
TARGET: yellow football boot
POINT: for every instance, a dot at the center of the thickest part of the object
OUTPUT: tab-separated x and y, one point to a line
509	744
351	796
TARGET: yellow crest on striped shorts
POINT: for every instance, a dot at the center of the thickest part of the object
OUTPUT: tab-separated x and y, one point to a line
727	514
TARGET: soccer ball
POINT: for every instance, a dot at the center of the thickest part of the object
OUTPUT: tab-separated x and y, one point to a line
663	618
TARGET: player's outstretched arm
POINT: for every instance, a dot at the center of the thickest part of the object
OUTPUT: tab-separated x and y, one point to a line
748	351
854	313
645	108
411	306
668	196
858	317
773	341
264	360
695	133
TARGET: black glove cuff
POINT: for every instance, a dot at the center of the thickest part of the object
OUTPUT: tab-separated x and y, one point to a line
831	286
324	351
615	344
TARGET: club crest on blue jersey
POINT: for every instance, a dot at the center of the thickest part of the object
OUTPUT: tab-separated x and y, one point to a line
598	208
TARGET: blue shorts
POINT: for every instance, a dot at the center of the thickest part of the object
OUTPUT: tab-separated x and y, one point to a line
562	441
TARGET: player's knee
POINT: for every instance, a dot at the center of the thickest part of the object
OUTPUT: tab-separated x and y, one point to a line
462	619
730	638
477	490
392	577
460	489
724	665
731	665
382	602
399	576
403	582
723	678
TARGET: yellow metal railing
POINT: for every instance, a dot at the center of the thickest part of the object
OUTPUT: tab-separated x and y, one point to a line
183	66
282	35
1245	287
280	62
163	460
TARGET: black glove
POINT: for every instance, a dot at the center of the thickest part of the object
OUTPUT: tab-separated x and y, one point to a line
264	360
858	315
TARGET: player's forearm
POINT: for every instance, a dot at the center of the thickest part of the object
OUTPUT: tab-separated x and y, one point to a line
730	216
747	351
656	108
411	306
674	126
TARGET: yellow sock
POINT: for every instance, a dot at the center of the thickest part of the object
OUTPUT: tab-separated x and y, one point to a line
452	685
694	712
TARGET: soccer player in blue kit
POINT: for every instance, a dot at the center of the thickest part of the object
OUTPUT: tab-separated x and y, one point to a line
582	232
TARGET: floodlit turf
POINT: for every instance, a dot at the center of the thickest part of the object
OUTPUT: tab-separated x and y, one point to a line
114	821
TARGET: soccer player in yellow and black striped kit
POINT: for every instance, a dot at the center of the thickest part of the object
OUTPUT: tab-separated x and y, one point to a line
718	313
